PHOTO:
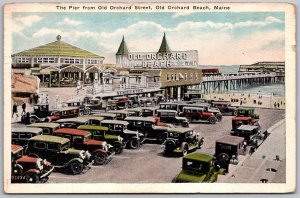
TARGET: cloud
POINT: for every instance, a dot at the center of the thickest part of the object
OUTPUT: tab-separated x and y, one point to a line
70	22
215	44
179	14
20	23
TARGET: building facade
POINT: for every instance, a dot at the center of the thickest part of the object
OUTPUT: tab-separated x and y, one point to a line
59	64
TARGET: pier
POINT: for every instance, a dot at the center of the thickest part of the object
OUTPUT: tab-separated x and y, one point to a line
223	83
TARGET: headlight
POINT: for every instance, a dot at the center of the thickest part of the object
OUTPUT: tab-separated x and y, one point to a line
120	139
82	154
39	164
88	155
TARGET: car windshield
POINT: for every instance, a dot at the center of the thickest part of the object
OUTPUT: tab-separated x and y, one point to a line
87	137
173	135
194	165
65	146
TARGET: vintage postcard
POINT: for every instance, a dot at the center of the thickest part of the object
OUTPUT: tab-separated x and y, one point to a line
149	98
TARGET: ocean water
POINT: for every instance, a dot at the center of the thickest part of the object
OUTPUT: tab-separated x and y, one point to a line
276	89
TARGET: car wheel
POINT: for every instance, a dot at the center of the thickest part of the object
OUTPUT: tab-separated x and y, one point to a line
31	178
32	120
17	169
162	138
185	151
76	167
118	148
134	143
99	158
219	118
212	120
185	124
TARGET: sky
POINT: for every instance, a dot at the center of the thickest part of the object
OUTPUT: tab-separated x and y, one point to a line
221	38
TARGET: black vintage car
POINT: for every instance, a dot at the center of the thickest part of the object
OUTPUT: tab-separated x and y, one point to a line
170	116
146	125
132	139
225	107
57	151
227	149
20	136
181	141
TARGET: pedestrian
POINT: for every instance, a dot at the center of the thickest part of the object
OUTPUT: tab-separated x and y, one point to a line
24	108
275	104
241	102
245	146
15	110
251	151
278	105
47	99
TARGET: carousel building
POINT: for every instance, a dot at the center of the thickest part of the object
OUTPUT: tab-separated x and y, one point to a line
59	64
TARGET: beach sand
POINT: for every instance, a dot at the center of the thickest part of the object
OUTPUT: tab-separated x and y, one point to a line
258	100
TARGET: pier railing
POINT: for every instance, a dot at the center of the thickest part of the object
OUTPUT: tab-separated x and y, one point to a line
217	78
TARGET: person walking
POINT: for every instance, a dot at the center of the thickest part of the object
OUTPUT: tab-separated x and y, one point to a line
23	108
15	110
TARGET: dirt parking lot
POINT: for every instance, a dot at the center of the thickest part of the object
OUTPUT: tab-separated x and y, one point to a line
148	164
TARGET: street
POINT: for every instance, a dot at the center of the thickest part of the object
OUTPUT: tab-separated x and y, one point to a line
149	165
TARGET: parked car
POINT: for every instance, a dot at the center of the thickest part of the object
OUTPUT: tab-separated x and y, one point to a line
159	123
169	106
170	116
225	107
198	114
25	169
48	127
228	148
134	100
206	108
181	141
42	113
198	168
58	152
189	96
20	136
146	125
159	98
146	102
83	109
148	111
247	111
72	122
122	102
251	133
100	133
106	116
82	140
244	120
93	119
137	111
96	104
120	114
132	139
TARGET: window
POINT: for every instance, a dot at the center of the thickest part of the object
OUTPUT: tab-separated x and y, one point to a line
168	77
53	146
92	61
40	145
25	136
72	60
45	60
46	131
97	133
23	60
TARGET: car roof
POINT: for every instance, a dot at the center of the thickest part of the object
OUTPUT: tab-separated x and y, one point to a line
199	105
246	108
74	100
229	139
78	120
44	124
64	109
50	138
150	108
105	114
179	130
221	102
92	127
166	103
191	107
199	157
247	127
133	109
166	110
114	122
118	111
27	129
241	118
93	117
147	119
72	131
16	148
